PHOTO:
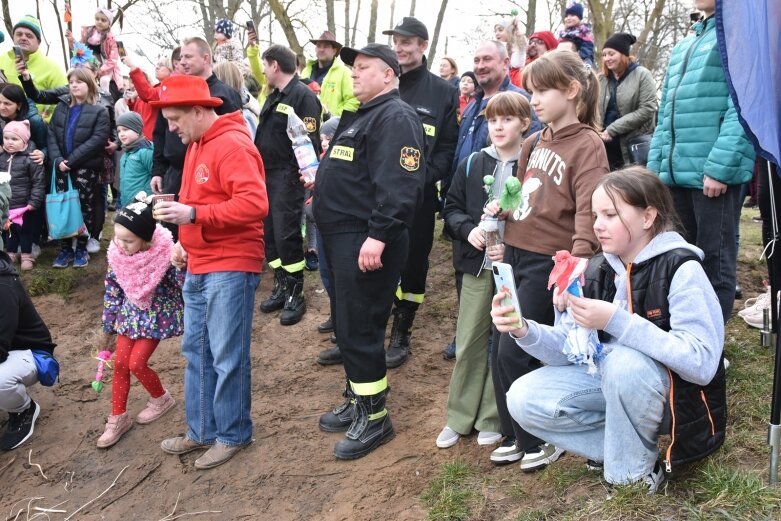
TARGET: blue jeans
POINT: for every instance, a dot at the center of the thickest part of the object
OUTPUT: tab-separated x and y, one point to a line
616	418
218	311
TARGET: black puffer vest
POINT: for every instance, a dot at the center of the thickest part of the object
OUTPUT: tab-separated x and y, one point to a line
699	414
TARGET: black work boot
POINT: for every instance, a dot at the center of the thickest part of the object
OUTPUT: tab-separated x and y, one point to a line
399	346
277	299
295	305
340	419
330	356
371	428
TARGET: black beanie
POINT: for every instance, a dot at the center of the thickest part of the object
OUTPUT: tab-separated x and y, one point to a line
621	42
137	217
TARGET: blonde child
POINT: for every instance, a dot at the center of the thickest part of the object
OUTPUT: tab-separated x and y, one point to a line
661	327
559	168
471	402
101	40
27	190
142	306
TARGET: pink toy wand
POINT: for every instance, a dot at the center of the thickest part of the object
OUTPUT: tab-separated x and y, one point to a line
104	360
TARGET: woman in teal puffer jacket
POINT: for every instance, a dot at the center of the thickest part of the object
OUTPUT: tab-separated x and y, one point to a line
701	151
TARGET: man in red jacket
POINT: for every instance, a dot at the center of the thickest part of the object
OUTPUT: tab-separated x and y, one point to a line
220	212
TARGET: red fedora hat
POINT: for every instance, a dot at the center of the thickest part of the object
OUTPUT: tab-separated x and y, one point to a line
185	91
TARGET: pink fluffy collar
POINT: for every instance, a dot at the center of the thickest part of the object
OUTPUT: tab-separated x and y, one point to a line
139	275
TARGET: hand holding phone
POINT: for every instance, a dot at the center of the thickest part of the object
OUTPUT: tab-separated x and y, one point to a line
505	283
20	55
252	34
121	49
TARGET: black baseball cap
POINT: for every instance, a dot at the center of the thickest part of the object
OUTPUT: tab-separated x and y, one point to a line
409	26
375	50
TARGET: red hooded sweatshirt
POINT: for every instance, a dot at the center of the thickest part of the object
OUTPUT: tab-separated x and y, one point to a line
224	180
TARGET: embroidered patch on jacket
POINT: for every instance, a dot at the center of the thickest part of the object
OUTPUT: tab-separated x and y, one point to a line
201	174
284	109
430	130
310	124
653	313
341	152
410	159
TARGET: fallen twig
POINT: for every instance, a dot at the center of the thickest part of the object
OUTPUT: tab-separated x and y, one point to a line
11	512
99	496
171	516
7	465
30	461
128	491
69	481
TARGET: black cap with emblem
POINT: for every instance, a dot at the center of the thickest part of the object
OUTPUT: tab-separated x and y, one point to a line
375	50
409	26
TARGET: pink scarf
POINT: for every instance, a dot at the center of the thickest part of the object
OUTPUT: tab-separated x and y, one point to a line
139	274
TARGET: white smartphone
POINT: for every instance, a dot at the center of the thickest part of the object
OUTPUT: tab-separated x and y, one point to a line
503	277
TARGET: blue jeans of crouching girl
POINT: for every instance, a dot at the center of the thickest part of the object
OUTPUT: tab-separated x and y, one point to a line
218	310
614	416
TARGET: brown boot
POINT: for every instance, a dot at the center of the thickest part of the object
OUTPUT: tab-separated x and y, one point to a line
27	261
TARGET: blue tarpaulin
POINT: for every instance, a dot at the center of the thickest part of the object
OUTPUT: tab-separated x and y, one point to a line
749	35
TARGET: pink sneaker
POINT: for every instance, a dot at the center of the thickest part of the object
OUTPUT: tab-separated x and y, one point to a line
116	426
155	408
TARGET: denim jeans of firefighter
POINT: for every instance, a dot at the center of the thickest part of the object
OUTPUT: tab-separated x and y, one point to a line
614	416
218	311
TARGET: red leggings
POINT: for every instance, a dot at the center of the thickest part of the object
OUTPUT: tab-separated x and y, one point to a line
131	357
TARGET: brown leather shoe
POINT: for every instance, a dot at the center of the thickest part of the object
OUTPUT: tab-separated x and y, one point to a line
181	445
217	455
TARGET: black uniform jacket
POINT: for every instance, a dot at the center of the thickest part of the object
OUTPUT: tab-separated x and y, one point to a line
272	139
373	174
436	103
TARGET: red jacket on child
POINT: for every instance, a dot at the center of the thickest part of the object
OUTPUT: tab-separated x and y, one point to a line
224	180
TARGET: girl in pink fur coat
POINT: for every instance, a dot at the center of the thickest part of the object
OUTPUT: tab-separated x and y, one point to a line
142	305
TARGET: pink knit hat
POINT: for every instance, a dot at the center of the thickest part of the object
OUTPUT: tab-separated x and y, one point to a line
19	128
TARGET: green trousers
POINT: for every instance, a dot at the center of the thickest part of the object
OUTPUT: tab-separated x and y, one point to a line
471	402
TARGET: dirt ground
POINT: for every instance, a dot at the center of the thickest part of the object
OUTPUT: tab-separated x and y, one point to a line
289	472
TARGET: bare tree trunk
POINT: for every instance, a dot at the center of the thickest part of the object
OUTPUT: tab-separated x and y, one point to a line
649	24
433	50
9	26
373	22
392	21
280	13
602	20
347	23
329	16
531	17
59	26
355	23
412	8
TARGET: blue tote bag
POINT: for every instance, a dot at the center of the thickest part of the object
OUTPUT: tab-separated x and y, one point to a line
63	211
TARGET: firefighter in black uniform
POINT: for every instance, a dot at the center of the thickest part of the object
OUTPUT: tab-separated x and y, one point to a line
366	192
282	227
436	103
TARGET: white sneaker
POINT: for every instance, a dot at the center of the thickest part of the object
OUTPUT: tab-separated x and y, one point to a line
756	304
93	246
540	457
36	251
726	364
654	479
447	438
488	437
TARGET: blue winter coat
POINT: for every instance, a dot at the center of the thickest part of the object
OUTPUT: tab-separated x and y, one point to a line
698	132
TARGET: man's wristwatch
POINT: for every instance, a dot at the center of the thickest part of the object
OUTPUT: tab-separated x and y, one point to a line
192	215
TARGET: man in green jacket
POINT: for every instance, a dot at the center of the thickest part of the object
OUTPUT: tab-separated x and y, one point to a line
45	72
333	76
701	152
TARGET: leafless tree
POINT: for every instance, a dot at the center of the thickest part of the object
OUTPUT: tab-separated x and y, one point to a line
372	22
433	49
329	16
412	8
355	23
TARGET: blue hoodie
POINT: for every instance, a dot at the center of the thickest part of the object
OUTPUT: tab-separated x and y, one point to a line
693	346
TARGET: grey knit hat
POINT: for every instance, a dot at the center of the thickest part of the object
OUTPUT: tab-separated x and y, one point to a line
131	120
